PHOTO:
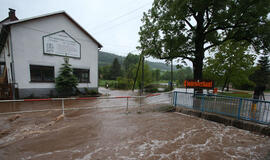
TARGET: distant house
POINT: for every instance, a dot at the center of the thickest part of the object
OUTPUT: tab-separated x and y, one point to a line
32	51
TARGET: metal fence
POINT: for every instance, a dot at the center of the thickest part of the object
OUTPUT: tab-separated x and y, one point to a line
240	108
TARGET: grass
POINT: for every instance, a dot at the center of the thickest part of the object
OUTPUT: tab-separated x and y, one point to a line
237	94
102	83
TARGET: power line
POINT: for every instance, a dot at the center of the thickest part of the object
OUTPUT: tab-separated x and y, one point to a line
131	19
123	15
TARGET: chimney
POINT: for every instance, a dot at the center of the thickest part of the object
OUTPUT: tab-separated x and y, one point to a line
11	14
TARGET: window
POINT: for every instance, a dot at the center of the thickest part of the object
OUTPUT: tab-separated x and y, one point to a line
41	73
82	75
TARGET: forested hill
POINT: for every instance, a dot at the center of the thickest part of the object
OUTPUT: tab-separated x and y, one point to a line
105	58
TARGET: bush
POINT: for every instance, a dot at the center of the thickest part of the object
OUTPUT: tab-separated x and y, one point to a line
246	85
152	88
123	83
90	92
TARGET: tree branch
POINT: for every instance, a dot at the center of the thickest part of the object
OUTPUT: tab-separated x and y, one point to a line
208	47
172	57
209	21
189	24
216	44
193	12
224	27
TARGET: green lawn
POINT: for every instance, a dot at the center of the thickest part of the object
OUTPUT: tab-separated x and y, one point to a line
101	83
237	94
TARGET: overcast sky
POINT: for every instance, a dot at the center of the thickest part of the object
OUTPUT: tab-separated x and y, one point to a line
115	24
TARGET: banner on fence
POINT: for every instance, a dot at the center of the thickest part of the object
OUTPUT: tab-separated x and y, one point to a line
198	84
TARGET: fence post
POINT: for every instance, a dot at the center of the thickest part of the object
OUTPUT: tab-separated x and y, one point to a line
63	107
127	106
239	108
202	103
175	98
171	95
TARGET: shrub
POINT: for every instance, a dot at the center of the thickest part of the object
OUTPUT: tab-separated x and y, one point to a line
123	83
90	92
151	88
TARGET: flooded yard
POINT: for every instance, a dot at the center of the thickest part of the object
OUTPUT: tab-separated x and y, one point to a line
109	133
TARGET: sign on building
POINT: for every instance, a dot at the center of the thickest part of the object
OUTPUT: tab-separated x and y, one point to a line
61	44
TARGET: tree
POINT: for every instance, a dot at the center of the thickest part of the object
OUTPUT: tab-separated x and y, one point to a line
129	63
182	74
156	75
147	75
66	81
115	70
261	76
104	72
187	29
229	64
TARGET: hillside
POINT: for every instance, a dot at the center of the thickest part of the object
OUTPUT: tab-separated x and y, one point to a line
105	58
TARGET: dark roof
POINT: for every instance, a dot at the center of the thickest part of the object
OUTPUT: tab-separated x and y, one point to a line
53	14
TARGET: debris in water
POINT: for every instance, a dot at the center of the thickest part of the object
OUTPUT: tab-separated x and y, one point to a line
14	118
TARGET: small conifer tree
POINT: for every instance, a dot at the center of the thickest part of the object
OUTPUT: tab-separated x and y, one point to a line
66	81
261	76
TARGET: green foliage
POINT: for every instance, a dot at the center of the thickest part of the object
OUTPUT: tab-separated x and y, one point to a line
115	70
106	59
102	83
104	72
152	88
147	75
129	64
186	29
261	75
183	74
231	64
156	75
124	83
179	75
90	92
130	61
66	81
238	94
110	72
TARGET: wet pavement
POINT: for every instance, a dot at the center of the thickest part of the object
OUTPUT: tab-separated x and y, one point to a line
109	133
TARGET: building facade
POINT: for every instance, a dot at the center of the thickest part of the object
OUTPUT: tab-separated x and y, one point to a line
33	50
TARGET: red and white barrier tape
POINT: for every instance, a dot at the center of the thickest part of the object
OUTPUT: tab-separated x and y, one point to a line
81	98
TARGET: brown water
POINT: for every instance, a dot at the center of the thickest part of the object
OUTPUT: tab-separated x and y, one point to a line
110	133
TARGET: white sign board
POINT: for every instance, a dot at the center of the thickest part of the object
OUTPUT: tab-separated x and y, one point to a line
62	44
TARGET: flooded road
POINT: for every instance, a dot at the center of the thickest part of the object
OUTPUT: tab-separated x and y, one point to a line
110	133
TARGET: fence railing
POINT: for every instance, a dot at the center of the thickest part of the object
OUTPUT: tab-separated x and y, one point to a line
239	108
129	103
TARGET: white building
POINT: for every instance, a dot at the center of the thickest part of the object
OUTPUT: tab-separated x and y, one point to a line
32	51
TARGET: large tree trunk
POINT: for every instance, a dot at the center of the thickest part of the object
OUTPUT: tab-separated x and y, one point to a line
225	83
199	56
228	85
199	50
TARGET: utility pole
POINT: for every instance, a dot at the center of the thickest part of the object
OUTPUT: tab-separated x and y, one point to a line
136	74
142	78
171	85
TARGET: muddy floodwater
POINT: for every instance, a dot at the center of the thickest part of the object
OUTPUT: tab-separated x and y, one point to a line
109	133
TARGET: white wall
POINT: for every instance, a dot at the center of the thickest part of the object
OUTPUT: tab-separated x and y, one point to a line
28	49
